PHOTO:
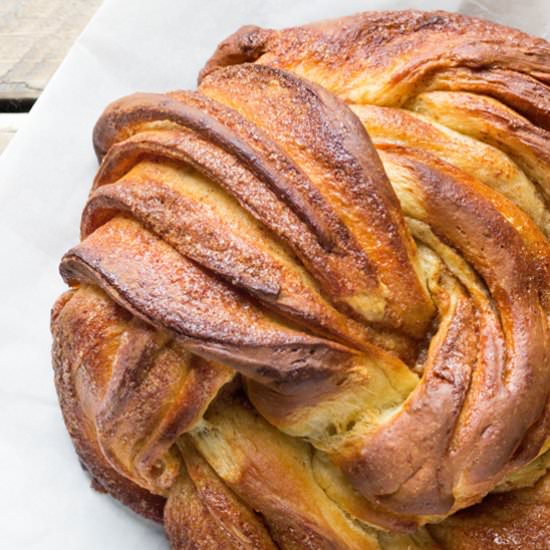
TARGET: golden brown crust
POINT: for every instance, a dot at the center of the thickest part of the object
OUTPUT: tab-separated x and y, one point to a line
346	270
519	91
416	441
82	325
384	302
487	119
220	127
235	248
330	145
188	522
273	473
502	372
513	520
386	57
156	392
155	283
202	512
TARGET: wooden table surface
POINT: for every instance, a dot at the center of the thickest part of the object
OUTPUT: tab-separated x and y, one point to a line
35	36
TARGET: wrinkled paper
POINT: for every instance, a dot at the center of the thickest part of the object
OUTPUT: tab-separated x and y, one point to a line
45	174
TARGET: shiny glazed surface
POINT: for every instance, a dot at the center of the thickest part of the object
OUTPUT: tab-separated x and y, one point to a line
310	304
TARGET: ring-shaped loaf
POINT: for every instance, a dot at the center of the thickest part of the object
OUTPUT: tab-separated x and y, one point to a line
310	304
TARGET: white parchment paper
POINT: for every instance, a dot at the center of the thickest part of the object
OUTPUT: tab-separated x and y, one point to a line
45	174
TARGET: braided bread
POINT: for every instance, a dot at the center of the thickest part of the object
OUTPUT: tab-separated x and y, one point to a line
310	304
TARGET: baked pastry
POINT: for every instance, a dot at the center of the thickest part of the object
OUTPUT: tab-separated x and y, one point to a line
284	333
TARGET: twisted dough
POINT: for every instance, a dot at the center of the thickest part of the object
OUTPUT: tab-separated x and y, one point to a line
303	338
